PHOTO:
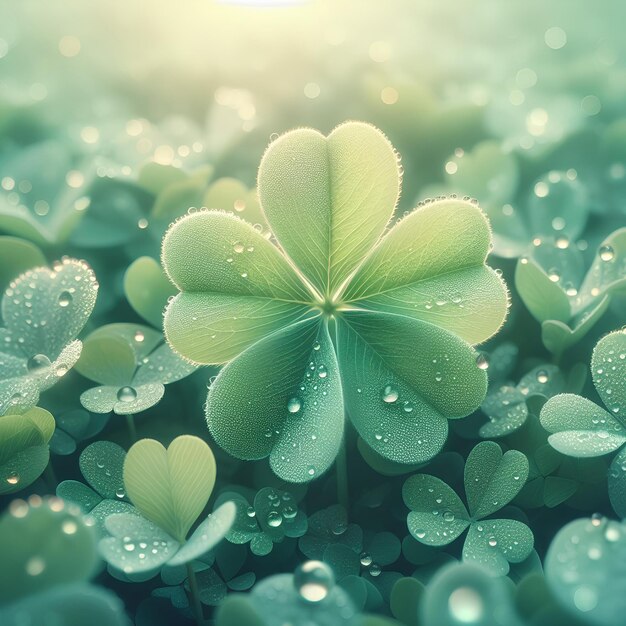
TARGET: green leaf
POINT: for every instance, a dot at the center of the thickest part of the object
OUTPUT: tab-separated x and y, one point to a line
237	288
230	194
267	380
43	545
543	297
208	534
277	514
431	266
162	366
107	359
507	411
616	479
580	427
122	400
102	465
170	487
67	605
179	196
16	257
405	600
437	514
328	199
59	300
397	396
584	567
136	545
493	479
148	289
608	369
496	543
24	450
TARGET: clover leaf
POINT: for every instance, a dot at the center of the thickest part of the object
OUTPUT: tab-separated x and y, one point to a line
17	256
43	195
585	569
507	406
568	309
170	488
581	428
101	464
329	321
44	544
43	312
273	515
132	364
492	480
24	452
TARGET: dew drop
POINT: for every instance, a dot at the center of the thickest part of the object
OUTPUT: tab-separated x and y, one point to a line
448	516
390	394
37	363
65	299
313	580
542	377
69	527
139	336
482	362
365	559
13	478
374	570
238	247
606	253
126	394
294	404
274	519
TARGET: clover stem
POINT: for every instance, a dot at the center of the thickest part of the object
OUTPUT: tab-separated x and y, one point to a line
195	598
341	465
50	477
132	431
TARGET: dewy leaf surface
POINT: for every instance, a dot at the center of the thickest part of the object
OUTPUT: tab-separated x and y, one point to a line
328	199
493	479
431	266
398	396
580	427
437	515
170	487
236	287
608	368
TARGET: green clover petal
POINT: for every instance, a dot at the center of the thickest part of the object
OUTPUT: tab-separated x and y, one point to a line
493	479
102	465
147	289
496	543
608	368
170	487
122	400
136	544
398	396
617	483
328	199
580	427
43	544
294	393
437	514
584	568
16	257
431	266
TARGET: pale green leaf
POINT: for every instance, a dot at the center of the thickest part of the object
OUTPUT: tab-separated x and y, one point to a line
230	194
580	427
213	328
148	289
136	545
431	266
328	199
122	400
102	465
398	396
107	360
543	297
437	515
608	368
208	534
493	479
170	487
17	256
496	543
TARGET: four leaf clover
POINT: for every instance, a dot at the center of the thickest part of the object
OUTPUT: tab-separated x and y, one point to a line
341	315
492	480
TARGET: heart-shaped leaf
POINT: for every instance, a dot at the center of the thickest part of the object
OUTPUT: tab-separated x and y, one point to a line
170	487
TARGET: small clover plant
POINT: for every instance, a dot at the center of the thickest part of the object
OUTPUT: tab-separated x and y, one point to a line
101	464
169	488
43	312
24	452
132	364
492	480
567	310
327	320
273	515
581	428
